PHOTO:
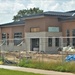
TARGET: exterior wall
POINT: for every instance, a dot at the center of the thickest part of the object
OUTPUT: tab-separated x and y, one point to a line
28	36
18	29
43	23
11	47
51	22
6	30
38	22
53	49
43	41
68	25
11	30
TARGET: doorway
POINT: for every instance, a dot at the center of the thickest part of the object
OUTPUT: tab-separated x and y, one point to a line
35	44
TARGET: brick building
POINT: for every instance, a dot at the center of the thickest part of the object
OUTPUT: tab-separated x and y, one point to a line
42	32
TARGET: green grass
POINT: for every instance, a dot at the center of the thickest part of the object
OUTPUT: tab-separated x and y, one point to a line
52	65
12	72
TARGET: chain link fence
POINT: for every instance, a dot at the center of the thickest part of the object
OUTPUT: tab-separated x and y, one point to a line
12	51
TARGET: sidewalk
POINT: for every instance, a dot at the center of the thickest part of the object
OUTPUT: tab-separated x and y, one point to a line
46	72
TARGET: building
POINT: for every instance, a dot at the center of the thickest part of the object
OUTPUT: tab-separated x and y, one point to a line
42	32
11	34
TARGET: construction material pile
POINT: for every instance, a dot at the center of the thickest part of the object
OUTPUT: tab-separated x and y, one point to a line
68	49
70	58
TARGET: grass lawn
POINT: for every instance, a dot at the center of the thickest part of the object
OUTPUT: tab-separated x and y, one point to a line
11	72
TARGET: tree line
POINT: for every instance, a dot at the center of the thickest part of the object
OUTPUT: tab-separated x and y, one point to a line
26	12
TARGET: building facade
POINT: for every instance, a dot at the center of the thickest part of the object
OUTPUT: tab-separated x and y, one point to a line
40	32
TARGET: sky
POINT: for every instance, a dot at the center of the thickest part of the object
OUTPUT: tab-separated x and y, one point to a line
9	8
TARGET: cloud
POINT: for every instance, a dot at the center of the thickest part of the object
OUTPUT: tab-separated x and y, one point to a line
68	5
9	8
53	5
42	4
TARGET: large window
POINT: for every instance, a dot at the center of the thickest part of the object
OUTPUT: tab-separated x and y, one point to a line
35	29
53	29
73	32
68	32
3	35
4	38
49	42
68	39
57	42
17	38
73	39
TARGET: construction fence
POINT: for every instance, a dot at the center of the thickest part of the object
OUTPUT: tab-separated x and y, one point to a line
40	49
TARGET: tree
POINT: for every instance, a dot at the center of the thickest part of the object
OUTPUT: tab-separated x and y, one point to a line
26	12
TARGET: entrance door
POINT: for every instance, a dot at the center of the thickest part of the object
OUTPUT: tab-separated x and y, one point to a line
35	44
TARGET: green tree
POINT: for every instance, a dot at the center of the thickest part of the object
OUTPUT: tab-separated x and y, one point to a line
26	12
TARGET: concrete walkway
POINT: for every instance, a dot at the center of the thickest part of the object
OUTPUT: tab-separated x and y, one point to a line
46	72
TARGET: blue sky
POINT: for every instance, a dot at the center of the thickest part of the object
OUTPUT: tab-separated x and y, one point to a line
9	8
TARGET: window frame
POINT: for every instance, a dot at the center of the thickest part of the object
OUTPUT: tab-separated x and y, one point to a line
57	42
50	42
53	28
17	37
35	29
67	32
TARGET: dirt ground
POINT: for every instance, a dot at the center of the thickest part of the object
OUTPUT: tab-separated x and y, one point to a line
16	56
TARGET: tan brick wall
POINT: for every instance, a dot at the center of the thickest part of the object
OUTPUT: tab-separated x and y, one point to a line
51	21
38	22
18	29
11	30
43	23
68	25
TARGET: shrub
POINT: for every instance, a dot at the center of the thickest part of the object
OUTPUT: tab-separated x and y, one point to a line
56	66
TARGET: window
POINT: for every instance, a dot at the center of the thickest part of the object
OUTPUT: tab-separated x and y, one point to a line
17	38
57	42
34	29
68	39
7	39
53	29
68	33
73	32
3	35
73	39
49	42
4	38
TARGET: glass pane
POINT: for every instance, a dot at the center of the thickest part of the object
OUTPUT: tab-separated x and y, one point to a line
49	41
34	29
53	29
56	41
17	38
73	32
